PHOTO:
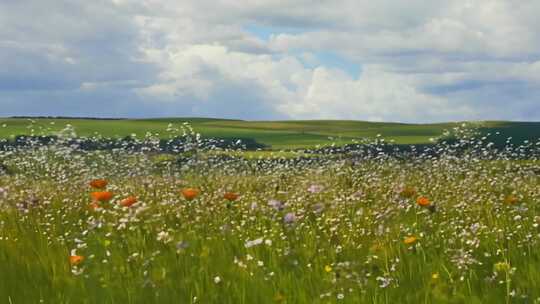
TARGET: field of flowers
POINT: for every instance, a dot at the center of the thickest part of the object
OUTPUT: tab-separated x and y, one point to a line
456	224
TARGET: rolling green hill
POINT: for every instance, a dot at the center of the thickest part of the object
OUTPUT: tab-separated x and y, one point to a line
276	134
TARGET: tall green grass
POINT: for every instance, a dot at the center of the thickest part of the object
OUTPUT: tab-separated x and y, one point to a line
330	229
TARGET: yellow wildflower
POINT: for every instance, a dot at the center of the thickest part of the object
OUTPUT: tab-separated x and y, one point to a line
410	240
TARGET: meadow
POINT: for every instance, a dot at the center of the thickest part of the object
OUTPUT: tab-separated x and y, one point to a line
276	135
458	223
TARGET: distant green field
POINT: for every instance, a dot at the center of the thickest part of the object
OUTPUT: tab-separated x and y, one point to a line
275	134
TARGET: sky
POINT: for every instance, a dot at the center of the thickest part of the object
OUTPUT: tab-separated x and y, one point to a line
385	60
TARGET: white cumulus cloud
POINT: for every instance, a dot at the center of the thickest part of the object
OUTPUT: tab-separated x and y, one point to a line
414	61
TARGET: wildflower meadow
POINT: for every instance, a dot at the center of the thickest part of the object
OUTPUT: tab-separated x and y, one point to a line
455	222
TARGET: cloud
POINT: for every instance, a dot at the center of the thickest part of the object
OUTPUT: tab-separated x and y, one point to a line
376	95
414	61
60	46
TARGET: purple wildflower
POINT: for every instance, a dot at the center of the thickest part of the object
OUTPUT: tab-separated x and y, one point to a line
277	205
289	218
315	189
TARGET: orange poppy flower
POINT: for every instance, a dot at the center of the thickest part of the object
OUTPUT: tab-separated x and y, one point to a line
410	240
101	196
190	193
75	259
231	196
98	183
511	199
128	201
423	201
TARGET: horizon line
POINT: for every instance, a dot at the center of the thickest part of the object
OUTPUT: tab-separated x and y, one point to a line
256	120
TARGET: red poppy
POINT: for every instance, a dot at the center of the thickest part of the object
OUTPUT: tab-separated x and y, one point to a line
128	201
98	183
190	193
101	196
231	196
423	201
75	259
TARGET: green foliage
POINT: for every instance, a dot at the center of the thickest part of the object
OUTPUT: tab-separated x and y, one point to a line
318	228
276	134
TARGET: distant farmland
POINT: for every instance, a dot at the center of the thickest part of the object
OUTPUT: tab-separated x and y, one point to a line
274	134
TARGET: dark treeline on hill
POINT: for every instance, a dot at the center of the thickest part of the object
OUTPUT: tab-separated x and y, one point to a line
65	117
452	146
174	145
183	144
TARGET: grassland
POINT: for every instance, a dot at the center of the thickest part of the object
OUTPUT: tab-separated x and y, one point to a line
369	229
275	134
